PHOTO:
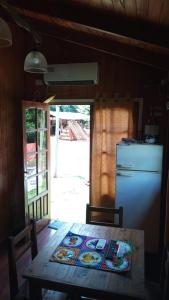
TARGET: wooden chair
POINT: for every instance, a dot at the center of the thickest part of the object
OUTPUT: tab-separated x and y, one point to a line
17	246
104	216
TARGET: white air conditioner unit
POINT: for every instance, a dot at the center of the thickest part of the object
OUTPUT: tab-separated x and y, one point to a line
72	74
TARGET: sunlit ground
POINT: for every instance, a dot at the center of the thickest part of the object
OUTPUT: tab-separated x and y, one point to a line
70	189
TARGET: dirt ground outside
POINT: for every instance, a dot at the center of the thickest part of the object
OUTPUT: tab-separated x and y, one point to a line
70	186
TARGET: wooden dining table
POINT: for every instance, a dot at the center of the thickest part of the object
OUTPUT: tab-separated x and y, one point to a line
94	283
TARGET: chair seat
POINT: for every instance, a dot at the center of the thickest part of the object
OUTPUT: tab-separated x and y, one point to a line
46	294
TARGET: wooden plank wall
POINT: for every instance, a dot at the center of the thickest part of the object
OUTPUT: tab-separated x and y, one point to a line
118	78
11	93
116	75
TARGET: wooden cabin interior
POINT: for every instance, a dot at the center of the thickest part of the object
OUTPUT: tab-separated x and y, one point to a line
130	42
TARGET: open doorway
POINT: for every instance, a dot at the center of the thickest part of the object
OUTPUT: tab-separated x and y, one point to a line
70	161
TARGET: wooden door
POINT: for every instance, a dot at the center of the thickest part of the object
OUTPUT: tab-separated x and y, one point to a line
36	144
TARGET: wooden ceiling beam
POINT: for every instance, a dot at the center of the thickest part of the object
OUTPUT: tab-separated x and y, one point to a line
113	44
100	16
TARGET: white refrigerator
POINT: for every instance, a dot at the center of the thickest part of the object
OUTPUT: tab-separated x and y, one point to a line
138	189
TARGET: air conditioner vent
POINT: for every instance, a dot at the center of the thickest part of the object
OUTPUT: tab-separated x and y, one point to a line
72	74
51	69
86	82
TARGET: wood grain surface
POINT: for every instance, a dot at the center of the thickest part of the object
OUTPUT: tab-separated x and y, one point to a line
83	281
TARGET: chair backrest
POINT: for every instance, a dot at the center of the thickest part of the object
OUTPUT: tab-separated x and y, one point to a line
97	216
17	246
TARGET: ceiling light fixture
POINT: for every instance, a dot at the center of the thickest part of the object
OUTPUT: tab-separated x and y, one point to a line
35	61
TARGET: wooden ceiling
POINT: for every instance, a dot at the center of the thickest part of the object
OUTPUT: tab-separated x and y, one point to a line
137	30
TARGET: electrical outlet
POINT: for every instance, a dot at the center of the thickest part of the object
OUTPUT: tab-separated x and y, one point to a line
167	105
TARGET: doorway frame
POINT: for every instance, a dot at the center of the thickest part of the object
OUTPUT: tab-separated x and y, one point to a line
79	102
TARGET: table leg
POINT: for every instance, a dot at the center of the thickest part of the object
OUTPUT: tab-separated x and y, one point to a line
35	291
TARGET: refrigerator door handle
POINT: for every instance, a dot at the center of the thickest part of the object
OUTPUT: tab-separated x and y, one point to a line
124	174
124	166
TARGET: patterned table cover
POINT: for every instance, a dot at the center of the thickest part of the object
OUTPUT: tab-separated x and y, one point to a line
81	251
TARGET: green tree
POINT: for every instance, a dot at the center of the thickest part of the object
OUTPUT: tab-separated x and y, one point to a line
68	108
52	107
84	109
30	118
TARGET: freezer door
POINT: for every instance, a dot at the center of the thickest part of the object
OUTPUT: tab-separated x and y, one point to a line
139	194
141	157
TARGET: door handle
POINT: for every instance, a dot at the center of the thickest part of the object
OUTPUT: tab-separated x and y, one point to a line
124	174
125	166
